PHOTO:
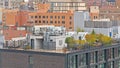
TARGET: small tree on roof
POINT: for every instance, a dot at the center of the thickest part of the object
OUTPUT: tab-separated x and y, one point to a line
70	41
93	32
90	38
79	30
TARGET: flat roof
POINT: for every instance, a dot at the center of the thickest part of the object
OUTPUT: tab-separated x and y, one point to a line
59	52
38	50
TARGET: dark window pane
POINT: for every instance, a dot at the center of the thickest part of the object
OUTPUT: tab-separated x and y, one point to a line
35	16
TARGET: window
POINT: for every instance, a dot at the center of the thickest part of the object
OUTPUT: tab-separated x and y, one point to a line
30	60
101	66
70	17
63	17
101	56
6	3
92	66
58	22
63	22
47	21
95	17
5	27
117	64
110	65
70	27
43	21
51	22
51	17
81	60
70	22
119	52
55	22
6	43
39	16
58	17
72	61
116	52
80	38
51	40
92	57
35	16
110	54
43	17
39	21
35	21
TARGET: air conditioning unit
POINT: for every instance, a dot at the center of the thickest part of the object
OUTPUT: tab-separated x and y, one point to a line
37	32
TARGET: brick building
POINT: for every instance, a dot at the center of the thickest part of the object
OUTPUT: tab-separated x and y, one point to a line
118	3
13	36
9	17
24	18
94	12
108	12
57	19
43	7
69	20
15	18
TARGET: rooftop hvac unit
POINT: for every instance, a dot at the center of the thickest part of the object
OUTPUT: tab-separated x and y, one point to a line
37	32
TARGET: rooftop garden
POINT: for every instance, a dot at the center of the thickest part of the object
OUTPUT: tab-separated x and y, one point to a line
91	40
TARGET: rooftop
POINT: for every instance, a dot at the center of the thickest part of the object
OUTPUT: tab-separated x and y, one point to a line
85	49
39	50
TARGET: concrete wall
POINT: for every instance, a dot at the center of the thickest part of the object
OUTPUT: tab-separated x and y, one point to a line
55	43
115	29
1	41
59	41
38	43
79	20
119	30
21	59
105	31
